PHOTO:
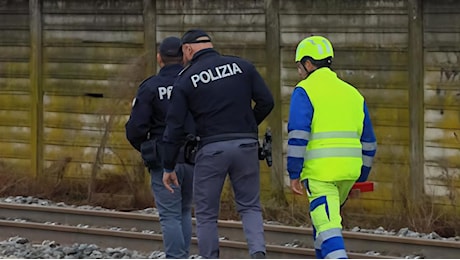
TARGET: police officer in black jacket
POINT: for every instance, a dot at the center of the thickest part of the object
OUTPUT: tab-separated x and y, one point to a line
218	91
144	130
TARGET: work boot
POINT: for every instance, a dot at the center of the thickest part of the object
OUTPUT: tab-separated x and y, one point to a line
258	255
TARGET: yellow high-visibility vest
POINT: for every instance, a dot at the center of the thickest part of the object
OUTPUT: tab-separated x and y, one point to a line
334	150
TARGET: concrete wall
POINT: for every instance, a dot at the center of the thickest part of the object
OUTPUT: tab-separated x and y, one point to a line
69	70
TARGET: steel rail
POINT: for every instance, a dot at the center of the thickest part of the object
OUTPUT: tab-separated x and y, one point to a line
232	230
139	241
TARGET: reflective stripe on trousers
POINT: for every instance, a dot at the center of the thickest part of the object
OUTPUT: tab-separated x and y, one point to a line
325	199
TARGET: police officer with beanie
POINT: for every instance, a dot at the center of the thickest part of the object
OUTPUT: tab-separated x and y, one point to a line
218	91
331	142
144	130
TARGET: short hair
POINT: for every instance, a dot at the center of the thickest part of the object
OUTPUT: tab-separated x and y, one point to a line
167	60
327	62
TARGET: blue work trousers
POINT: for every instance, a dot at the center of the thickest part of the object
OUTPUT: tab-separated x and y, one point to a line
238	158
175	210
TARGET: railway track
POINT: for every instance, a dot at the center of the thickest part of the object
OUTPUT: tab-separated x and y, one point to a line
130	225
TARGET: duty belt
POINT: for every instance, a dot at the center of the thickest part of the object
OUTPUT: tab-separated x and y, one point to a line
202	141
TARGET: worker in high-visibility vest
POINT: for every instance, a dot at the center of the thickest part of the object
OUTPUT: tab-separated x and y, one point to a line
331	142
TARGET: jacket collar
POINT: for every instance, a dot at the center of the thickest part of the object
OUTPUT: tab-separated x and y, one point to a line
203	53
170	69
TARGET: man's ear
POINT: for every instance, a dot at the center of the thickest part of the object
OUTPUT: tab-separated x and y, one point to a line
159	60
309	65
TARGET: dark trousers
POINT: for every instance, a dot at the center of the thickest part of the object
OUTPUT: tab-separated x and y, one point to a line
239	159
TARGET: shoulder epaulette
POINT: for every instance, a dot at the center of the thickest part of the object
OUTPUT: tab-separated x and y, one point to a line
142	83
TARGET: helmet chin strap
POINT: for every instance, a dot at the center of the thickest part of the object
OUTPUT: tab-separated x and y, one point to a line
305	69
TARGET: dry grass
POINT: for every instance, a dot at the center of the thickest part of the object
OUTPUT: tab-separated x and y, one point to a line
424	214
109	192
112	192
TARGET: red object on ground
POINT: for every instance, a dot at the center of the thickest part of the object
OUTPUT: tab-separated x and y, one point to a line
364	186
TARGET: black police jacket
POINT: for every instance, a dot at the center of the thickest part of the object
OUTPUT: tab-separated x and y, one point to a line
149	108
218	91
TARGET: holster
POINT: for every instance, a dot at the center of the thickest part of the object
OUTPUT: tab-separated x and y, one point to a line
190	149
151	151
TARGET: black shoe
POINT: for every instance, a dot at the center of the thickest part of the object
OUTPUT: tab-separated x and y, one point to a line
258	255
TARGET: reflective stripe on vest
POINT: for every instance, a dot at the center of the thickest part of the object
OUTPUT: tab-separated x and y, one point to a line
336	134
335	151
